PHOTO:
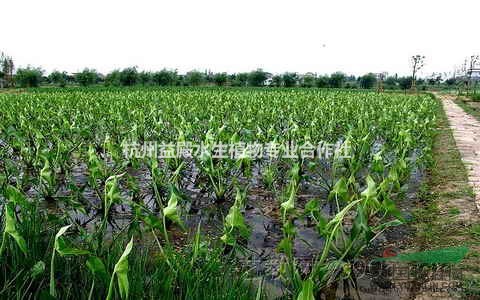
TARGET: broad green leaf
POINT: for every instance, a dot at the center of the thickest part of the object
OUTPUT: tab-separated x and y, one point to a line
121	271
15	196
307	290
388	224
289	228
360	229
339	190
171	210
152	221
312	207
112	190
11	229
289	205
377	163
46	174
228	239
285	246
322	226
62	247
61	232
112	193
37	269
390	207
98	269
371	191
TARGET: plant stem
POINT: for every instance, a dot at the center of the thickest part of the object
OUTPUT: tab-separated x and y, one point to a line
2	247
91	290
52	275
110	288
165	233
162	251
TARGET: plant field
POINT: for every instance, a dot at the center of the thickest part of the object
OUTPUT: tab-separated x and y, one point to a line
191	193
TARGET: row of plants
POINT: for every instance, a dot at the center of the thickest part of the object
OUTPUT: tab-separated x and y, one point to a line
66	184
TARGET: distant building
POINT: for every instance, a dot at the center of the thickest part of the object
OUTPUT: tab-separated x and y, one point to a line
268	81
475	74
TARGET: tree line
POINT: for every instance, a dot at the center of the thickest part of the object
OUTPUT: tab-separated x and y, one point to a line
33	77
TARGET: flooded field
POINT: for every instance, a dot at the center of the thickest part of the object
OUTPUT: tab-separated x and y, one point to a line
313	216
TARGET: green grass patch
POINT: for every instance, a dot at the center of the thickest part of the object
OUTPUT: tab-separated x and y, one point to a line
468	108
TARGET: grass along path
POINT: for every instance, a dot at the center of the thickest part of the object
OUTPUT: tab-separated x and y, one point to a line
466	132
449	215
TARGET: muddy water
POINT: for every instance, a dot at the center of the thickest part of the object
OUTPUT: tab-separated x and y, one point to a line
262	214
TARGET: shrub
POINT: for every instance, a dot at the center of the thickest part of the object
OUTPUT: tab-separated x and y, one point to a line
257	77
308	80
240	79
87	77
289	79
58	78
220	78
144	78
164	77
29	76
194	78
322	81
367	81
337	80
128	76
113	78
405	83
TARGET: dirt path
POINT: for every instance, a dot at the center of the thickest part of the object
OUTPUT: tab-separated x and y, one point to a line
466	131
451	213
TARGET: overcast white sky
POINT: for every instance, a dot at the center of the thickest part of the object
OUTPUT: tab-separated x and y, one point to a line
233	36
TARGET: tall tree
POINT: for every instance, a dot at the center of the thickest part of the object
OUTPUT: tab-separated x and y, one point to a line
239	79
194	78
220	79
308	80
58	78
29	76
322	81
289	79
87	77
129	76
417	62
6	69
367	81
164	77
405	83
257	77
337	80
144	78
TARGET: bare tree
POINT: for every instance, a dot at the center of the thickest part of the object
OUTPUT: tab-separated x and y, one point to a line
471	67
417	61
380	80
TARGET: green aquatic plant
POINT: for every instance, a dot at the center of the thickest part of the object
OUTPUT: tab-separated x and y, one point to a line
120	271
234	225
67	145
62	247
14	198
